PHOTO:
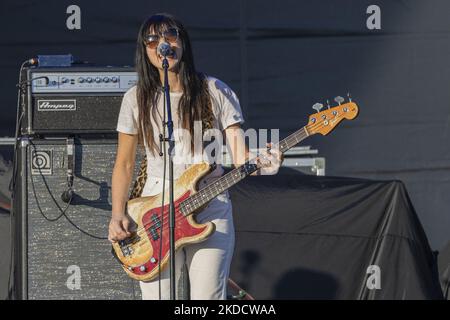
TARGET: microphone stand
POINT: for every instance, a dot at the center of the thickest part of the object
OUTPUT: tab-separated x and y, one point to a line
171	148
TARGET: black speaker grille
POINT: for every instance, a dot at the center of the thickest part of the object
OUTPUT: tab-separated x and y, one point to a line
86	114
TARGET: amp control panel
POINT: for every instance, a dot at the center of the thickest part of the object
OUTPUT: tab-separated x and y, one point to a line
82	81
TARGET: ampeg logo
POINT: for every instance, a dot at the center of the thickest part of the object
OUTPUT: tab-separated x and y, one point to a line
57	105
41	162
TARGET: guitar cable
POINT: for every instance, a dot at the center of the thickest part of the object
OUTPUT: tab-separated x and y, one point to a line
63	211
20	113
12	224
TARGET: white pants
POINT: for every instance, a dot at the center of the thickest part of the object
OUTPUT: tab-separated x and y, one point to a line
208	262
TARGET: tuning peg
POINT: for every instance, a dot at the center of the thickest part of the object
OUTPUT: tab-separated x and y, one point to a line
328	104
317	106
339	99
349	97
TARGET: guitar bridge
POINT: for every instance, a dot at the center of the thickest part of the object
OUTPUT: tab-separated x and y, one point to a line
125	245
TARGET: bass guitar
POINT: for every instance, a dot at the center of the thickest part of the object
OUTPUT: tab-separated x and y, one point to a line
140	253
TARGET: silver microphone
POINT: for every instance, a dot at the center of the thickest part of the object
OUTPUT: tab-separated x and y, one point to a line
164	49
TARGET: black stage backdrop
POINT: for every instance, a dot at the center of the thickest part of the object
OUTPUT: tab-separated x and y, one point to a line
304	237
281	57
444	271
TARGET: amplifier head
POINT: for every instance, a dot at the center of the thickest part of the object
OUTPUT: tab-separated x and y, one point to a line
75	100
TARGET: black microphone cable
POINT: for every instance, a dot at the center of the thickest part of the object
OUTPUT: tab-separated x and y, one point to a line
20	111
163	192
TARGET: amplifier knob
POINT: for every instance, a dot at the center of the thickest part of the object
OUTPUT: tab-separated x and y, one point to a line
114	79
106	79
80	80
98	80
64	80
89	79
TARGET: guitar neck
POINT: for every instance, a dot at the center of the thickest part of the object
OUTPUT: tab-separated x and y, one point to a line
228	180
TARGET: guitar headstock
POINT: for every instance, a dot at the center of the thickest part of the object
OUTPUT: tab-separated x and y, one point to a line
324	122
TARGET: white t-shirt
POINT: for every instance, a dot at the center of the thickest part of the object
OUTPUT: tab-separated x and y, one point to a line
226	110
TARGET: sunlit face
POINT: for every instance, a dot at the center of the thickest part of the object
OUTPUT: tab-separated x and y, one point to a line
169	35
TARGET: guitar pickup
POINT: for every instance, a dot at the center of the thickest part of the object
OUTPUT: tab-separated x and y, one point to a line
154	233
153	230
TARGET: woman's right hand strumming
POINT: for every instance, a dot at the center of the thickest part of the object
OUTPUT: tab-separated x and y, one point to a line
120	228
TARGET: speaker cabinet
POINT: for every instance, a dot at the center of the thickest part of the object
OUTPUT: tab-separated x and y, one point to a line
61	250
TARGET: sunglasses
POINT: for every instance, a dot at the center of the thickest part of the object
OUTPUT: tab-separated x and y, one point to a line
170	35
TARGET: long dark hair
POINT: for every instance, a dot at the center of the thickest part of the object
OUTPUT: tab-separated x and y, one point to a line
195	98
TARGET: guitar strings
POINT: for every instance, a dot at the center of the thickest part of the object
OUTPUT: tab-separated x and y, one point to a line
224	178
143	230
140	230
